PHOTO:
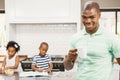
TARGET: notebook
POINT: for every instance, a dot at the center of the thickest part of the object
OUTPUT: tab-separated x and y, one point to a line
33	74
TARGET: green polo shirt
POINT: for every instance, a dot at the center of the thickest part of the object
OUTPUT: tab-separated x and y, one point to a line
102	47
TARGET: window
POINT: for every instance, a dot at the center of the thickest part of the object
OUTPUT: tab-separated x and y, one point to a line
107	20
118	23
110	19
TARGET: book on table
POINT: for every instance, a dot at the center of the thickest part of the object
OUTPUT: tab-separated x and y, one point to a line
33	74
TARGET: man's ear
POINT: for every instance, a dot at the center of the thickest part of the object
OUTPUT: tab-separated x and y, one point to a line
39	48
99	15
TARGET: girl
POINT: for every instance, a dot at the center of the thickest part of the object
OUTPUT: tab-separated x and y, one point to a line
12	59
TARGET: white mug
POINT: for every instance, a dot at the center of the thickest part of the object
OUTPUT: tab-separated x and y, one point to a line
82	52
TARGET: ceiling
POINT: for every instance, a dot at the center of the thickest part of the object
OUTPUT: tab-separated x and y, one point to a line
2	4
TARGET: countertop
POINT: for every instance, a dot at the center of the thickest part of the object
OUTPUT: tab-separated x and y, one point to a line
67	75
53	76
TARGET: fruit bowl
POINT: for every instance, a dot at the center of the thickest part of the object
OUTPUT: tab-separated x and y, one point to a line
9	72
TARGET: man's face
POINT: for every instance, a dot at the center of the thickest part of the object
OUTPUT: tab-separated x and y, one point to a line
90	19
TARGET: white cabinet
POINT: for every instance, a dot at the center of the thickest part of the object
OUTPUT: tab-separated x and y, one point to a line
40	11
43	11
116	72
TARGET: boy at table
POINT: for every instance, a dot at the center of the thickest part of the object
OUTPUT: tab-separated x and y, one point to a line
42	62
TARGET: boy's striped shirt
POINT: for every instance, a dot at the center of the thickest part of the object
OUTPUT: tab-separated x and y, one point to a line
41	62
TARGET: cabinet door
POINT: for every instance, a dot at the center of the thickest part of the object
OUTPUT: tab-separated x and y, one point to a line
116	72
43	10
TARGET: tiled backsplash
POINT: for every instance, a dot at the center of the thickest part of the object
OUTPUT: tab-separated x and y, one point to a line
29	36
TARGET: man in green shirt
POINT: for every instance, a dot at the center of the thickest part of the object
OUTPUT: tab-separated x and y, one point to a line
94	47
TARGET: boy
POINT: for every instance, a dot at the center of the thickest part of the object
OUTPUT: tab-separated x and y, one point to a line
42	62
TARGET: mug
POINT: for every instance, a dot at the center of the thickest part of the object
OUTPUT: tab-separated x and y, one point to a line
82	52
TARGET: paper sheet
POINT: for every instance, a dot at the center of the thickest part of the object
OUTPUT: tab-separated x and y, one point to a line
32	74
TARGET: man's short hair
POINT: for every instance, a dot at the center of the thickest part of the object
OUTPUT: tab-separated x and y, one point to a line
91	5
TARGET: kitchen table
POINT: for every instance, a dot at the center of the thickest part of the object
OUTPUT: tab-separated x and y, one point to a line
53	76
14	77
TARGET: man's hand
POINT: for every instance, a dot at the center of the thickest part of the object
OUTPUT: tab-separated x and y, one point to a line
70	59
72	55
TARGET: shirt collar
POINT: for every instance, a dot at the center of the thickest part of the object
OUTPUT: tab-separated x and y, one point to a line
42	56
98	32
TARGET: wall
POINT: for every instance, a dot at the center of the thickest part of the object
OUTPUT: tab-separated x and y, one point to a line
106	3
58	36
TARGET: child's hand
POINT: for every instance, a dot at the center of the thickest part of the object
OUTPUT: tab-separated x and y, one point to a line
40	70
6	68
48	71
3	69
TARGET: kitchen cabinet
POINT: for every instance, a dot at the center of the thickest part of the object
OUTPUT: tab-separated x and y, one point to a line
42	11
116	72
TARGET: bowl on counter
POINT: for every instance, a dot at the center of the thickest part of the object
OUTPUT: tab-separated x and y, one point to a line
9	72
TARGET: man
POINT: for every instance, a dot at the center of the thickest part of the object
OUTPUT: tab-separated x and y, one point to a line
101	47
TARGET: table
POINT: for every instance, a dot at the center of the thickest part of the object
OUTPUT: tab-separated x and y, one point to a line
52	76
14	77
